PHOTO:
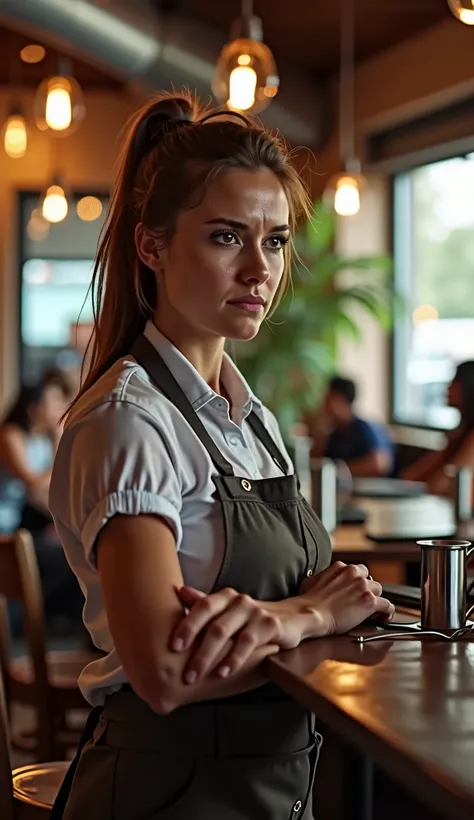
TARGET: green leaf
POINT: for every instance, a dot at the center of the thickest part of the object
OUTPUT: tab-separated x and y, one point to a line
320	229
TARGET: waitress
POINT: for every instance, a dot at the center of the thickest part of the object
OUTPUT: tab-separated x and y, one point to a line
175	499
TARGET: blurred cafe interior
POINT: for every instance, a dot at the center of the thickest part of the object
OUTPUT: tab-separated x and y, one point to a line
367	365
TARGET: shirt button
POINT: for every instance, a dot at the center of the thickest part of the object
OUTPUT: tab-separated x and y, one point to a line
297	806
234	441
309	573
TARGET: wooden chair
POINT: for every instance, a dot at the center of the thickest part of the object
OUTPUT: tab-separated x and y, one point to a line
44	680
27	793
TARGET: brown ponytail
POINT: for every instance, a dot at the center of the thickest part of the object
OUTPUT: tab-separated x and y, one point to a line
171	150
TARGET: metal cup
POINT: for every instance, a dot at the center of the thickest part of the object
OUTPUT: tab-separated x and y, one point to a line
443	584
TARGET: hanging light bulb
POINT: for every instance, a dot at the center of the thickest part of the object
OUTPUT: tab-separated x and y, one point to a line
246	76
343	191
15	135
347	197
55	207
59	104
89	208
463	10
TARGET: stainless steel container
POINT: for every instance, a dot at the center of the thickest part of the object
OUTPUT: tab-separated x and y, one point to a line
443	584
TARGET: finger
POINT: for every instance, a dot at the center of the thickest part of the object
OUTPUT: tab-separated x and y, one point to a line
364	571
189	595
201	614
218	633
385	608
262	629
374	587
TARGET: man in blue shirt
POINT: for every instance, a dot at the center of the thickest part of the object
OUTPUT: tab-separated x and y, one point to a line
364	446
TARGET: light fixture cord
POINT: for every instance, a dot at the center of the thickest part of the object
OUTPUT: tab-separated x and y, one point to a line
346	81
247	8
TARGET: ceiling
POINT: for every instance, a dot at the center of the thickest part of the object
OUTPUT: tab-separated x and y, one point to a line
305	33
14	70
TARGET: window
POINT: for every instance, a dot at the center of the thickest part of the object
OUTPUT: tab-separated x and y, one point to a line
434	274
55	307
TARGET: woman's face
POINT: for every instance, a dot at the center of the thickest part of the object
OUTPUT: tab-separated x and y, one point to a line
219	274
46	414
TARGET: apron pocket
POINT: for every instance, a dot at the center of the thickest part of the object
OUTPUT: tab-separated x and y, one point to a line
253	788
149	785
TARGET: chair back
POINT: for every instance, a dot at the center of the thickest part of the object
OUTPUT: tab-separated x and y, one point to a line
6	788
20	581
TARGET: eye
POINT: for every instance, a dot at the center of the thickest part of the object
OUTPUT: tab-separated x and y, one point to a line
224	237
276	242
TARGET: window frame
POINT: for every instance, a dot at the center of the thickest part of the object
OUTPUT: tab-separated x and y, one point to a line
394	376
22	221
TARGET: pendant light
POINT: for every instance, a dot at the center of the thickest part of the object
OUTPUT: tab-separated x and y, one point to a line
343	190
55	206
59	103
463	10
246	76
15	135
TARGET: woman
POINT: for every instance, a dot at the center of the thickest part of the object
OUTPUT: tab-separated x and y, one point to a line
459	449
29	437
170	471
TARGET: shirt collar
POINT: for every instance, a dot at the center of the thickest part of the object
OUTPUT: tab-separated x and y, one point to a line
194	387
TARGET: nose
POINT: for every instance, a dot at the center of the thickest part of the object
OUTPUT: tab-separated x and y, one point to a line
255	270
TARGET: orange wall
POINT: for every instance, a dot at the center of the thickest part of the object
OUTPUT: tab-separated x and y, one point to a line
86	161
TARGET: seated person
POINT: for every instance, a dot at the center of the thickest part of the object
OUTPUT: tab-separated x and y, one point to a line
29	435
459	449
364	446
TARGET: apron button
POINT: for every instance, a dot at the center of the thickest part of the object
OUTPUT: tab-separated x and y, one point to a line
309	573
246	485
297	806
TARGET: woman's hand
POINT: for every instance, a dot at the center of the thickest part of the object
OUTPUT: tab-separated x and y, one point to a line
215	619
343	596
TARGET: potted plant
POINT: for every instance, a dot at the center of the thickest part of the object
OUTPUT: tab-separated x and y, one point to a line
295	352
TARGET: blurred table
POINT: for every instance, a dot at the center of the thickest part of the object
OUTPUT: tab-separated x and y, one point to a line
408	705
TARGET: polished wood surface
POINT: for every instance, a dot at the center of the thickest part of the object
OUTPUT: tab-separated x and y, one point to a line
350	544
407	704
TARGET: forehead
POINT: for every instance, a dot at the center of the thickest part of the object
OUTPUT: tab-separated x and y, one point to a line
249	195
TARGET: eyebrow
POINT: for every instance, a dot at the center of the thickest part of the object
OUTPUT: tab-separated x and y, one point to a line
241	226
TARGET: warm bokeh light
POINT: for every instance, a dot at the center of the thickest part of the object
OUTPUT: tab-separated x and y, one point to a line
89	208
55	205
38	227
424	313
242	85
58	109
347	196
32	53
59	105
463	10
15	136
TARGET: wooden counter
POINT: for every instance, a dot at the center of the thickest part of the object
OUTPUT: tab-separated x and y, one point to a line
408	705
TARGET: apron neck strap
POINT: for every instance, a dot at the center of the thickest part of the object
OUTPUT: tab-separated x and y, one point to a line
149	358
262	433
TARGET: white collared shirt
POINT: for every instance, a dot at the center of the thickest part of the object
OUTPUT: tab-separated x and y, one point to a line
127	449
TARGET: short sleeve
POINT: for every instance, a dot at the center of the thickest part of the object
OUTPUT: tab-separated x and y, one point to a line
114	460
374	437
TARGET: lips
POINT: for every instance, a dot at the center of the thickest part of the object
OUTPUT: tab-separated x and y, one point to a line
251	303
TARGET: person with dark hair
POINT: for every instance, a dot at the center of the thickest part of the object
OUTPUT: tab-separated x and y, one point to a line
29	435
175	499
459	448
364	446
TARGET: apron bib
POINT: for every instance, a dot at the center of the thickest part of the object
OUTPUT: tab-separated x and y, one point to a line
247	757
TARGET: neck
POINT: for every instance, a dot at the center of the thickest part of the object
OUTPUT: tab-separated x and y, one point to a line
204	353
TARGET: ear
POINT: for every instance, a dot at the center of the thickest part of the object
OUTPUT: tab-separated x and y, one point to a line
147	249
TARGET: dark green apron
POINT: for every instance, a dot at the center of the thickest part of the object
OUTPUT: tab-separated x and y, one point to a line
247	757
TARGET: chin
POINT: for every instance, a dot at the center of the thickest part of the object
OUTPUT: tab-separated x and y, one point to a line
243	331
